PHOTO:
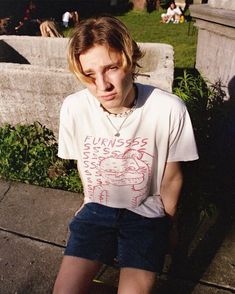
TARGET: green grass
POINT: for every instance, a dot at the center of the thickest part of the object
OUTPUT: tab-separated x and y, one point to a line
146	27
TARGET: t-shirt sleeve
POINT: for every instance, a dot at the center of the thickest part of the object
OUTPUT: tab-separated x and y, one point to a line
169	12
66	142
182	145
177	10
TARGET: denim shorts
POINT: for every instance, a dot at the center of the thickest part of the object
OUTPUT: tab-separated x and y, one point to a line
118	237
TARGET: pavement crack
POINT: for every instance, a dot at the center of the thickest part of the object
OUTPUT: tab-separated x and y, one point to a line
216	285
31	238
5	193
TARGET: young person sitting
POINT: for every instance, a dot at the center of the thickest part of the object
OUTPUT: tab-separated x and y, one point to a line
128	140
173	14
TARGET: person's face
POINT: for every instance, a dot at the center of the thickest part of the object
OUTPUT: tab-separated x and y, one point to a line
108	81
172	6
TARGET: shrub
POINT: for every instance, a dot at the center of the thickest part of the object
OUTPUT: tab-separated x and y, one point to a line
28	153
208	109
208	181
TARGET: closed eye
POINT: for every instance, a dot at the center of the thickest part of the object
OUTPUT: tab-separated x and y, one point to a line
90	75
112	68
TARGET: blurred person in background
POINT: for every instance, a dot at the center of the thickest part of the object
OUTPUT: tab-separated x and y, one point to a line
29	25
173	14
70	18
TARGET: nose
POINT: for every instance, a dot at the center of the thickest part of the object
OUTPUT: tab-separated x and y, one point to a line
102	83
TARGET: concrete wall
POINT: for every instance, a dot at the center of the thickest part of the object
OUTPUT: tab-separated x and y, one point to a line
224	4
215	58
34	78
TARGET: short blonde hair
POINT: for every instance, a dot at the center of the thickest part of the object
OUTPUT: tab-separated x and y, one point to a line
107	31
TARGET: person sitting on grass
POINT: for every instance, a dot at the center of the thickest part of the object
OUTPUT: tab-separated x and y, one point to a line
49	28
173	14
70	18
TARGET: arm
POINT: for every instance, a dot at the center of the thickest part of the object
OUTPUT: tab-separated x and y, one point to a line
170	188
170	193
169	18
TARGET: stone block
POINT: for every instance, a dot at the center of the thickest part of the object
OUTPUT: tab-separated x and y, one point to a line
224	4
34	77
216	45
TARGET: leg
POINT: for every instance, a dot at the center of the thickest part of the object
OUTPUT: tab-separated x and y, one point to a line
177	17
141	248
75	275
136	281
89	241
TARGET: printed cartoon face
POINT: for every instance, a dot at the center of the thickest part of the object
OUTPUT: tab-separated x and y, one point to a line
122	171
108	80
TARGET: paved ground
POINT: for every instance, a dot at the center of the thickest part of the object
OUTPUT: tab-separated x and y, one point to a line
33	233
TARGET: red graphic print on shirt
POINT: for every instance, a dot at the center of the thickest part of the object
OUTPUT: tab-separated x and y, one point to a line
117	170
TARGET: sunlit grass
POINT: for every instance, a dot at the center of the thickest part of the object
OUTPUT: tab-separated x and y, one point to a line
146	27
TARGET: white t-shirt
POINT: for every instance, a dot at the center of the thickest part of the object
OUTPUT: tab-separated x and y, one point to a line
177	10
66	16
172	12
126	171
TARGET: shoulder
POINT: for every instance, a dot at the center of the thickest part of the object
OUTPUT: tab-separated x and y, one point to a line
177	9
76	101
157	99
76	98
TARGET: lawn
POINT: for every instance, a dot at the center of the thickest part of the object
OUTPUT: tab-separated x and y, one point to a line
146	27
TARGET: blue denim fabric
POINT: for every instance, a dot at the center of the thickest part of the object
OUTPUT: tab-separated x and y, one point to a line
119	237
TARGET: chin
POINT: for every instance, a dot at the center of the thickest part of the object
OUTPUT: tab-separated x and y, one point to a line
111	104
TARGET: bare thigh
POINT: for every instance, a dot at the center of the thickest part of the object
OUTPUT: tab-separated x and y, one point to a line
177	17
75	275
136	281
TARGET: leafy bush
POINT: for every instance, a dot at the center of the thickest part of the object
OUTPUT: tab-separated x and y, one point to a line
28	154
208	181
208	109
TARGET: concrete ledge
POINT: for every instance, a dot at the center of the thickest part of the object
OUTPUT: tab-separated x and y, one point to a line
224	4
34	77
32	93
216	45
40	51
218	29
216	15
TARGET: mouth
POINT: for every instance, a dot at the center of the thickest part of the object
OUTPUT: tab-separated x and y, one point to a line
108	97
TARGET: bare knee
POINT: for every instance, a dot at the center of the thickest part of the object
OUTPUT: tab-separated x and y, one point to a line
136	281
75	275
